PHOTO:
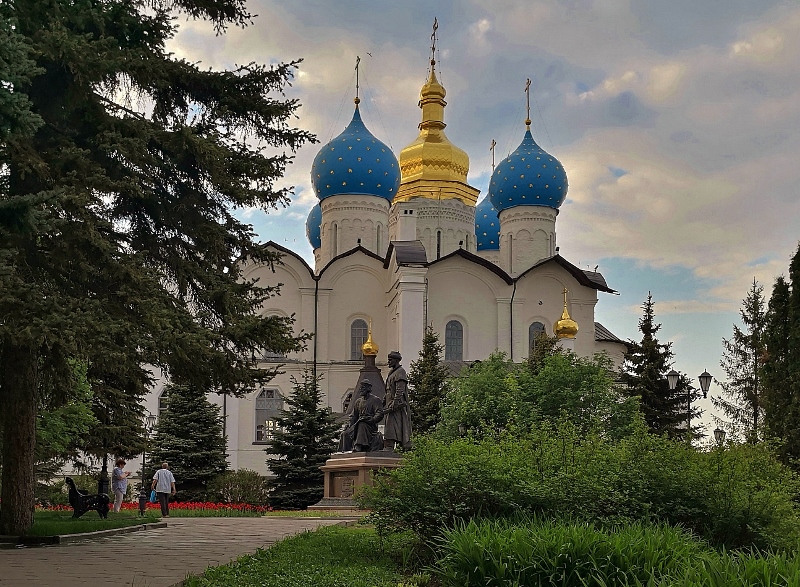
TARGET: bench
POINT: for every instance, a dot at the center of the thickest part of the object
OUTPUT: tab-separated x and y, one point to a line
82	502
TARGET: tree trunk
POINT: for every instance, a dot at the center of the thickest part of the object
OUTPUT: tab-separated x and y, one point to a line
18	400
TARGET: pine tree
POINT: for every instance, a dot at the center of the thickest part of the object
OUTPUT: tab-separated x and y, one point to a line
305	438
645	374
741	402
775	371
189	437
118	239
781	369
427	380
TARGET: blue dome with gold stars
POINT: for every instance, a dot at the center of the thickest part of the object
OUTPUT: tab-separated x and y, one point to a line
528	177
487	226
313	227
355	162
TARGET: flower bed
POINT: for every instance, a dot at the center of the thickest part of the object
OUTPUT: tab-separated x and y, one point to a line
191	508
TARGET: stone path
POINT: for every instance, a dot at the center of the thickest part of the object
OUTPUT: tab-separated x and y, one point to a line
151	558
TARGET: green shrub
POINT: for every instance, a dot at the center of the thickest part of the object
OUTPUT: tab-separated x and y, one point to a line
530	552
737	497
242	486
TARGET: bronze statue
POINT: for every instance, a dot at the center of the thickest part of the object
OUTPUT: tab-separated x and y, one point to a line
362	434
397	412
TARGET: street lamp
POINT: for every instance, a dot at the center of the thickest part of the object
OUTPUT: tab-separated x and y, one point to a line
149	425
705	382
719	436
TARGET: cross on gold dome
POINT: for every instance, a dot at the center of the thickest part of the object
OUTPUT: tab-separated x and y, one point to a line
566	327
528	100
358	63
433	41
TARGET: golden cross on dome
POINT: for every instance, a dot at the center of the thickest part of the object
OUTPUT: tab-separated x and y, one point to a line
433	41
491	148
528	100
358	64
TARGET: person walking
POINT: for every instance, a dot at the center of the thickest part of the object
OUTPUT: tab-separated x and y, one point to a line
119	483
164	485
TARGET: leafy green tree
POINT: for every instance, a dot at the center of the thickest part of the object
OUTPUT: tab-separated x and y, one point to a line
480	399
740	402
62	424
189	437
578	390
427	380
645	374
545	346
305	438
118	233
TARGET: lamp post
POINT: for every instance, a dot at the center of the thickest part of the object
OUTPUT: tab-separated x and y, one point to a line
149	426
719	436
705	381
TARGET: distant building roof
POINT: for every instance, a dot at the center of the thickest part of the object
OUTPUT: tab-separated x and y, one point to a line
603	334
407	253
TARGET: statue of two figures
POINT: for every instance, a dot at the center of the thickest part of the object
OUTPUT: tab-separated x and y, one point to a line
361	434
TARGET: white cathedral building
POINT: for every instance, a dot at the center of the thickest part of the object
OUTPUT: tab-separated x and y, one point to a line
401	243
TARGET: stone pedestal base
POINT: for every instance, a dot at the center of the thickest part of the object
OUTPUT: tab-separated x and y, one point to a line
346	472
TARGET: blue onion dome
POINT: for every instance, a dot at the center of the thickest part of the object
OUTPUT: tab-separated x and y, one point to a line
528	177
487	226
355	162
313	226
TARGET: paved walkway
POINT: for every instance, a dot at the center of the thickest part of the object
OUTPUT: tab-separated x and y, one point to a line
151	558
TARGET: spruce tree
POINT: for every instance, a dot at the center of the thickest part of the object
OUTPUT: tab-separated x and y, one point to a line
189	437
645	374
305	438
118	234
781	369
427	379
775	370
740	402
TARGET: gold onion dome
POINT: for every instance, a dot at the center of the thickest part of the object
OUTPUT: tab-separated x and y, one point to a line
432	166
369	348
566	327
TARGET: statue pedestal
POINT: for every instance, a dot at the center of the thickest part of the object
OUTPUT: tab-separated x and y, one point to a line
346	472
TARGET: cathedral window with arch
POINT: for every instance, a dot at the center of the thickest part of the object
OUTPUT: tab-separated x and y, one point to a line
378	239
358	336
534	332
454	341
269	405
163	402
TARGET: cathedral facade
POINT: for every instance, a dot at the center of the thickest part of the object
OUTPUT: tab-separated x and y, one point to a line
401	243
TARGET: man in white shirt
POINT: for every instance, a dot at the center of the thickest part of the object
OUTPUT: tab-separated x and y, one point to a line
164	485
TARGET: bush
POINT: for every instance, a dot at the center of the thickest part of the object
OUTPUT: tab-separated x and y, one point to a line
737	497
242	486
530	552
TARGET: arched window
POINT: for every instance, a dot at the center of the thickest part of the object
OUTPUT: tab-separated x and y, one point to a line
269	405
335	240
534	332
511	253
454	341
163	402
358	336
378	239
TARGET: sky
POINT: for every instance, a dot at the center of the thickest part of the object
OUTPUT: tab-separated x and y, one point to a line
675	121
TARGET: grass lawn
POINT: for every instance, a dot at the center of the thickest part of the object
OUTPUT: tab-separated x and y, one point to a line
51	523
329	557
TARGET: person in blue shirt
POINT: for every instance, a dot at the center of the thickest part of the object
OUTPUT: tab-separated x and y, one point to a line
119	483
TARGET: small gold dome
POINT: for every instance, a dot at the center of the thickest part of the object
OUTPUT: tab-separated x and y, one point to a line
566	327
369	348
